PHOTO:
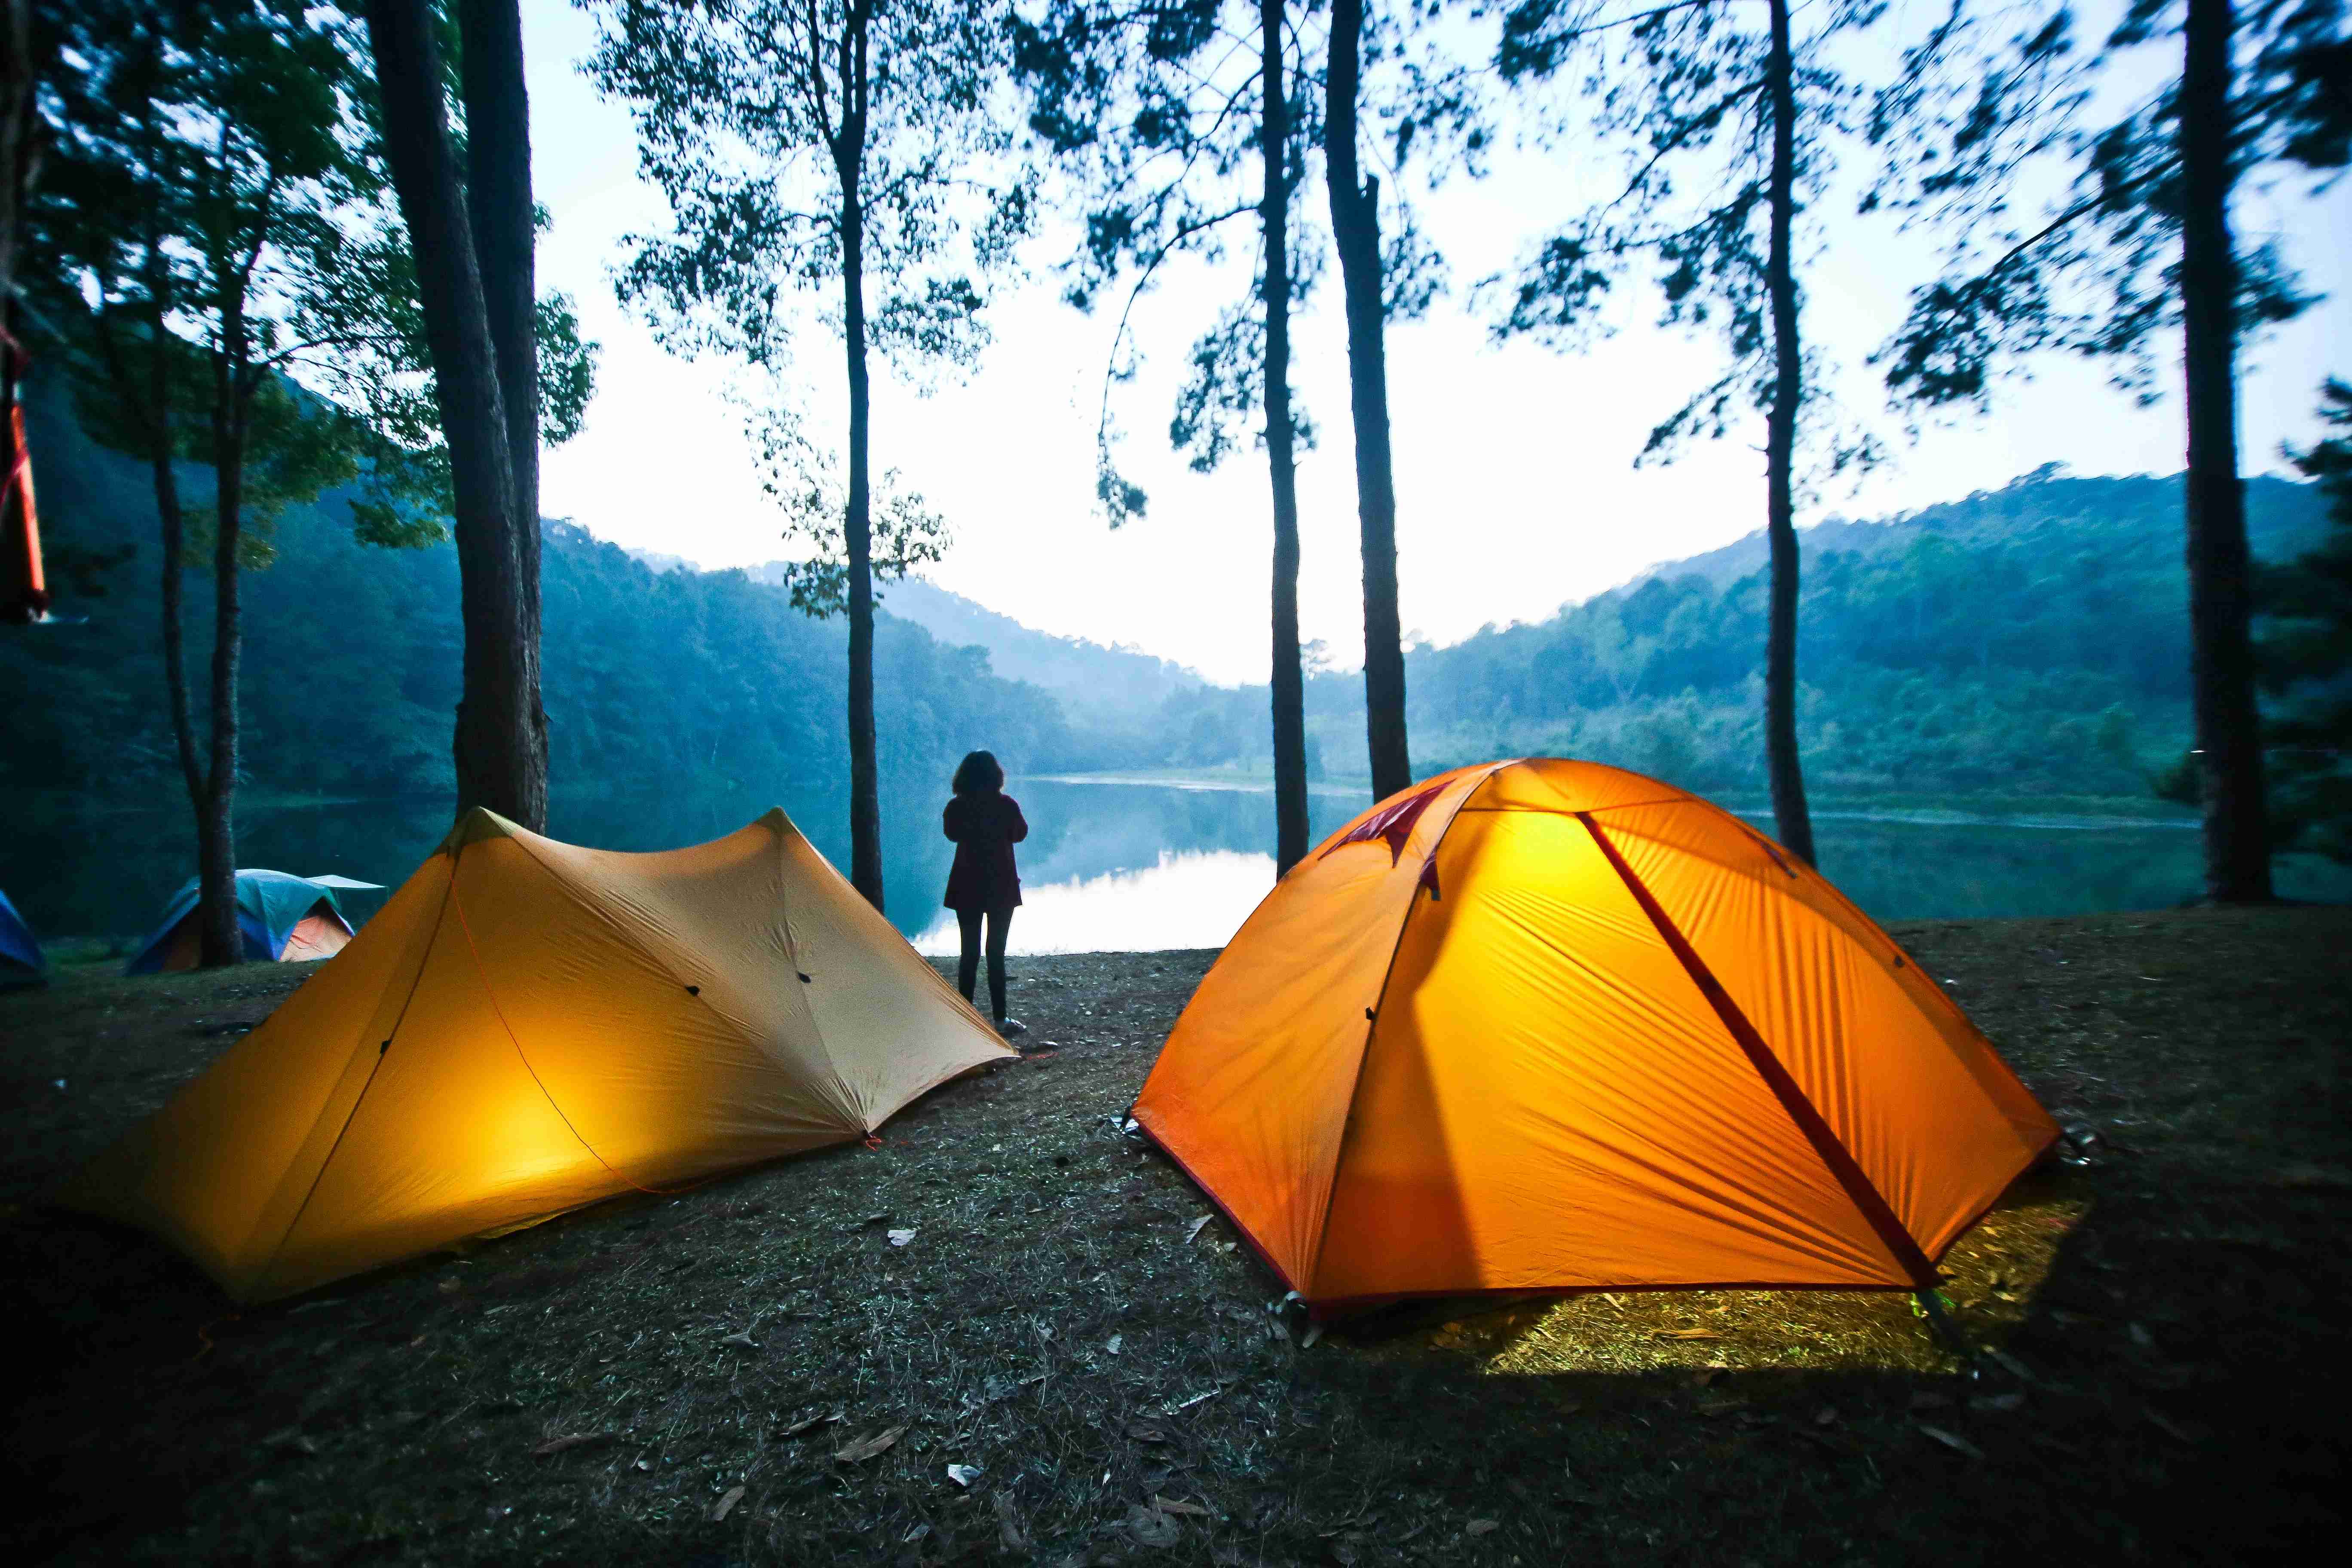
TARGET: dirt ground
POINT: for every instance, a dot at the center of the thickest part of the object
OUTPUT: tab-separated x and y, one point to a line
1064	1373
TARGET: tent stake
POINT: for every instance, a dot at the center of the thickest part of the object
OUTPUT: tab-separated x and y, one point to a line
1931	1302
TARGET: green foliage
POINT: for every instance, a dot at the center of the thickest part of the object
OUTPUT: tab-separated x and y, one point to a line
805	482
2025	641
1150	117
797	145
2305	655
2096	273
352	663
1685	91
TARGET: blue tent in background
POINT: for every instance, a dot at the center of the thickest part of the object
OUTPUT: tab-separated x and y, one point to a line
20	956
281	915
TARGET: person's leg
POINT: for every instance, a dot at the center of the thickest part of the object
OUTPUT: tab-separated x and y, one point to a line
999	922
968	960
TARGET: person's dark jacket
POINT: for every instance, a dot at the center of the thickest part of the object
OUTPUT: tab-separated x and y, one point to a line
984	828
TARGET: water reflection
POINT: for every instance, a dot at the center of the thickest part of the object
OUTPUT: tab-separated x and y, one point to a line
1106	866
1190	898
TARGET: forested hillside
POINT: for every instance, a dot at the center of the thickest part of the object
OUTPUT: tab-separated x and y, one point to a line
2025	641
2029	640
351	667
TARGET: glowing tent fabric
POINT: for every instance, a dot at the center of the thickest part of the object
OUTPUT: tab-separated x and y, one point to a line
528	1027
279	916
1545	1025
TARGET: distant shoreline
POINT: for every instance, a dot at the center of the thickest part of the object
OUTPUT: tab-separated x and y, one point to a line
1971	812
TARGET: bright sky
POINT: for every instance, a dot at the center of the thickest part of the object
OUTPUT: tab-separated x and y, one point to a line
1514	466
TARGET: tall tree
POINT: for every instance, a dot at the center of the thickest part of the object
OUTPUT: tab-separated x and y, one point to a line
1158	114
1747	116
1355	235
2144	243
844	146
500	746
1289	683
210	170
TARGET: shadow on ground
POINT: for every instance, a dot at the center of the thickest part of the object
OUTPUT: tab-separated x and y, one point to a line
2169	1320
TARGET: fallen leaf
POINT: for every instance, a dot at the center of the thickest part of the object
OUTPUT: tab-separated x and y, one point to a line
860	1449
1116	1340
1170	1505
915	1534
804	1423
1482	1527
569	1440
1826	1416
642	1465
1952	1440
2002	1402
1149	1527
1148	1432
744	1339
1686	1334
1192	1231
2011	1364
900	1237
1009	1528
726	1503
963	1474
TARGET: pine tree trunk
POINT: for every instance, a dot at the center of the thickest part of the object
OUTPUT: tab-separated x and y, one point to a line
864	773
219	941
1289	683
174	525
20	134
499	202
1356	230
1793	821
2221	660
501	758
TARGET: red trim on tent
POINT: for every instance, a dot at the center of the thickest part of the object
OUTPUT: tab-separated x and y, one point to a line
24	586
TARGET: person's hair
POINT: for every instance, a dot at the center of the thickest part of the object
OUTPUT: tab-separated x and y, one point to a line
978	774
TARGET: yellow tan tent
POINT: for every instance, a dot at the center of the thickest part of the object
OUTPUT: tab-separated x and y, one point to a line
1545	1025
528	1027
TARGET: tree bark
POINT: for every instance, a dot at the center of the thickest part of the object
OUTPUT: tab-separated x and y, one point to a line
218	940
857	522
1792	819
2221	658
1356	231
506	241
20	132
1289	682
499	752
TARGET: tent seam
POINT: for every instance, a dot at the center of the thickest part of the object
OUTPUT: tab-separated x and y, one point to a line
422	961
644	951
1388	973
816	1026
1903	1247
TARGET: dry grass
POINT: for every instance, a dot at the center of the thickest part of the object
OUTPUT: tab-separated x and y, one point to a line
2172	1313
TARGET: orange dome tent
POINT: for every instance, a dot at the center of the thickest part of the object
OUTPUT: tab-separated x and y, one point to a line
1547	1024
528	1027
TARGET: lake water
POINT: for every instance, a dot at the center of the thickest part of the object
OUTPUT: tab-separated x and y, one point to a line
1107	866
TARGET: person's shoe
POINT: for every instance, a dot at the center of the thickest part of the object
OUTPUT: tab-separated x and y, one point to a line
1012	1029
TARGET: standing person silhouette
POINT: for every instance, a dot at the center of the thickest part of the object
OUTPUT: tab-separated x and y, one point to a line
984	823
